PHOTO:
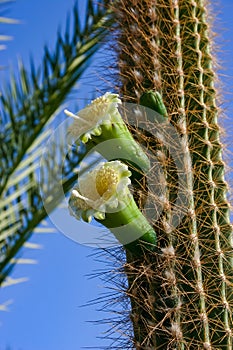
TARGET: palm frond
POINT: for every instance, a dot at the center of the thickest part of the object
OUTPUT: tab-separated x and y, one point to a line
13	281
4	306
28	104
5	20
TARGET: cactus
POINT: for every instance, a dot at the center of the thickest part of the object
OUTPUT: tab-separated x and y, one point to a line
181	296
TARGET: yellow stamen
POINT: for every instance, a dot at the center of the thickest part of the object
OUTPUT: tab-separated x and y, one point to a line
107	179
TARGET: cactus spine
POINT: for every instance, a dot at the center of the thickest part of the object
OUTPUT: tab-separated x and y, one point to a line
181	298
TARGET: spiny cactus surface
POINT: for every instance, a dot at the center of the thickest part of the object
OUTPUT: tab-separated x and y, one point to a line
181	296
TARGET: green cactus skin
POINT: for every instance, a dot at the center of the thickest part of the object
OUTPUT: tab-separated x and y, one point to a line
181	298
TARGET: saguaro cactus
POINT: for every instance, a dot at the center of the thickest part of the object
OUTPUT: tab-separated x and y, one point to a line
182	296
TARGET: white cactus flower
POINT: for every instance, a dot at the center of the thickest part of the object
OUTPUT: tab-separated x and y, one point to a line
99	191
103	193
101	111
101	121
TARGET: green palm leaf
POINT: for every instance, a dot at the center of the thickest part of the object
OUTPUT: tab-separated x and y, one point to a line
5	20
28	104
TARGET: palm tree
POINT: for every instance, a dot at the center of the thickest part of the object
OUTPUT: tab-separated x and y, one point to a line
28	104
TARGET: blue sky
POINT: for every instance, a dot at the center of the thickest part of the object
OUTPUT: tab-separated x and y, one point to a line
46	312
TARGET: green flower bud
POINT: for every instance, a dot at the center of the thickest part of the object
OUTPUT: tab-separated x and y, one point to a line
153	100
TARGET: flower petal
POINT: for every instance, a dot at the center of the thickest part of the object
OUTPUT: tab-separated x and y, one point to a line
102	188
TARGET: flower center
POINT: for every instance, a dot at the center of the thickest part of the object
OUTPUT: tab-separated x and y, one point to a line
107	179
